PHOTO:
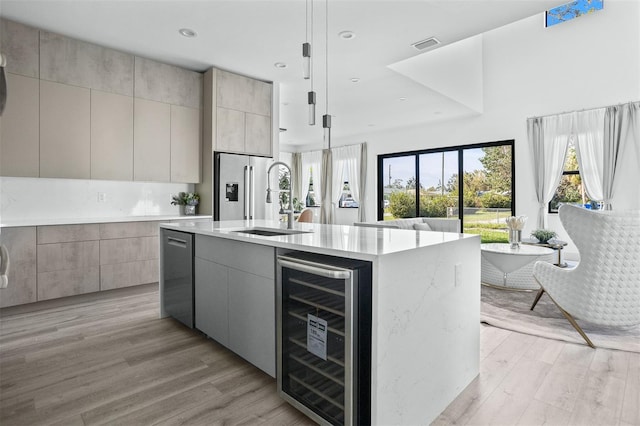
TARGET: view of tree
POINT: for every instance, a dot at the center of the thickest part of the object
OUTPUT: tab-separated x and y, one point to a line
497	165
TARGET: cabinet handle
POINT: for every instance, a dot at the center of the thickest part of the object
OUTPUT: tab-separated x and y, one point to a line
177	242
315	269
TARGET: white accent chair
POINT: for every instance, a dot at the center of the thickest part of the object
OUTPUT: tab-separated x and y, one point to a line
604	288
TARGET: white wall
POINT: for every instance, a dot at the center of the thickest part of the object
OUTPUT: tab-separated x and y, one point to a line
38	198
530	70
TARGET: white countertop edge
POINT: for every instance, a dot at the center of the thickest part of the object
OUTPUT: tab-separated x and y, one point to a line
88	220
321	243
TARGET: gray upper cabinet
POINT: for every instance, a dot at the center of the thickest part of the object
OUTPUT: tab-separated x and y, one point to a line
20	138
111	136
257	130
243	93
230	130
185	144
151	141
166	83
20	45
64	131
243	115
70	61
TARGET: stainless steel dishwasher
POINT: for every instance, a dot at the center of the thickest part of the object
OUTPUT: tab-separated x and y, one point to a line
177	273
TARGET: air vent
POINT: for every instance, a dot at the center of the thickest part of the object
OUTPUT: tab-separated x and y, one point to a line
426	44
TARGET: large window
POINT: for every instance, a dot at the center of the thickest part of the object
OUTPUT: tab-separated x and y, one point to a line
570	189
426	184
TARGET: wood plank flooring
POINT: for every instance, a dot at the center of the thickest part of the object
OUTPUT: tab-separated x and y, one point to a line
106	358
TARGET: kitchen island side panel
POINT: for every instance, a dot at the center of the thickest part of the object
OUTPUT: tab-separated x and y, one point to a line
426	330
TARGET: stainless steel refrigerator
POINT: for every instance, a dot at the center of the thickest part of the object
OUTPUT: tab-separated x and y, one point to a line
240	187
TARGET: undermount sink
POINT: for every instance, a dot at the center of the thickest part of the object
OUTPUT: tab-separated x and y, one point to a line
271	232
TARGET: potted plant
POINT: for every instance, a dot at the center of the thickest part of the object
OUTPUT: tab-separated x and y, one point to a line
543	235
187	199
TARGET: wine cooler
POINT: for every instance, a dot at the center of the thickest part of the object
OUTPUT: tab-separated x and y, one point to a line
324	337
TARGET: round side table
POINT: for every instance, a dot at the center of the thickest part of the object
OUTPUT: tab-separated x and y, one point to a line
507	259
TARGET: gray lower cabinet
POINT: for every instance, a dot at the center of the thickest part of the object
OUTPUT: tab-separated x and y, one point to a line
252	319
21	244
211	296
235	297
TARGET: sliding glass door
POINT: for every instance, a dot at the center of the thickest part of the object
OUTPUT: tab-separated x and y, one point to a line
427	184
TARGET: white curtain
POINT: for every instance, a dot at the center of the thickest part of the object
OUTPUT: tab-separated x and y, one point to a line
296	172
549	139
347	166
620	125
327	172
362	187
311	168
589	149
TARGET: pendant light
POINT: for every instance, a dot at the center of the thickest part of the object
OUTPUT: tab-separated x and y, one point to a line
306	46
326	118
311	95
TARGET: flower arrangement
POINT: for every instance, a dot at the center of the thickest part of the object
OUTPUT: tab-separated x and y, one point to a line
186	199
543	235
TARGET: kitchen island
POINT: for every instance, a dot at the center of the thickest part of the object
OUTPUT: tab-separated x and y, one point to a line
425	306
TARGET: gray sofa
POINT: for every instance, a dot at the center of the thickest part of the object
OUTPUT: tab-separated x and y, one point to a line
417	223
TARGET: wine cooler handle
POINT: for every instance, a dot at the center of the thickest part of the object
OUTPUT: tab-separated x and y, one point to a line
311	268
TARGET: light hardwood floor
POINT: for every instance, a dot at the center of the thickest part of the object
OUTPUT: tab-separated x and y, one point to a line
108	359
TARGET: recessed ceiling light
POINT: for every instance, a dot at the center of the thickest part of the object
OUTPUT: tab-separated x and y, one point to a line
426	44
437	113
280	65
355	80
372	125
187	32
347	35
403	98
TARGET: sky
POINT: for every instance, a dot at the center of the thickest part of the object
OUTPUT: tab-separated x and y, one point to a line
431	166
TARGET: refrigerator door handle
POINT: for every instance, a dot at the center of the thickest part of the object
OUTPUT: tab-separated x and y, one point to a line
246	192
252	194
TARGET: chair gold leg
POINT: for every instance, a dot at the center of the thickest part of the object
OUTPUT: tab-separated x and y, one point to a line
538	296
573	322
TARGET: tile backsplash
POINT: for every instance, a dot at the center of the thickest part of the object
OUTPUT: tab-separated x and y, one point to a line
36	198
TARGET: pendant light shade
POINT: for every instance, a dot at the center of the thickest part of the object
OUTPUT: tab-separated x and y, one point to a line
326	125
306	60
311	100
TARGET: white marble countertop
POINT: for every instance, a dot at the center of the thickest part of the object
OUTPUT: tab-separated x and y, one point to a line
86	220
341	240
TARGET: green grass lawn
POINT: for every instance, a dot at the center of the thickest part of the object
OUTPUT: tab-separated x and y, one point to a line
488	235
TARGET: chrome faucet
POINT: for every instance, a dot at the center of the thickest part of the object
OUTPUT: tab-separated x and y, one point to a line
269	190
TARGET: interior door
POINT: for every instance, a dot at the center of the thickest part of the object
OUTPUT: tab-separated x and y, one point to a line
231	180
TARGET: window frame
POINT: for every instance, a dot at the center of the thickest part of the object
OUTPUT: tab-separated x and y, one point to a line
460	149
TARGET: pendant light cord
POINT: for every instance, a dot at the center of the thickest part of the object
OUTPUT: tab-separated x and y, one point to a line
311	59
327	56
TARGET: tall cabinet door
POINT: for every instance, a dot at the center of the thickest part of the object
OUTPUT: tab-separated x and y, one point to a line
20	139
111	136
185	144
151	140
65	131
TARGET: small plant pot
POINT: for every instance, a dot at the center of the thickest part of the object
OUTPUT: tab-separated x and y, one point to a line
190	210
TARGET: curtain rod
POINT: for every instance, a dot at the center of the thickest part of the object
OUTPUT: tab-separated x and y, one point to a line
582	110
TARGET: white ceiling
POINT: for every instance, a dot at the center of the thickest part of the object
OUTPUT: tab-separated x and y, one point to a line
249	36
